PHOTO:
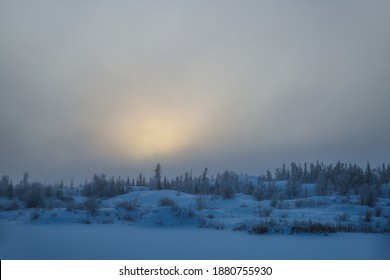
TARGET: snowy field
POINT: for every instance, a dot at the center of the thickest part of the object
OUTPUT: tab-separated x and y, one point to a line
166	224
75	241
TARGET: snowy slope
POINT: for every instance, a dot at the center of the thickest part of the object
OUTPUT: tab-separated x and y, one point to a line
166	224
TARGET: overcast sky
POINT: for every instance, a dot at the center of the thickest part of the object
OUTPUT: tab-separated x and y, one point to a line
117	86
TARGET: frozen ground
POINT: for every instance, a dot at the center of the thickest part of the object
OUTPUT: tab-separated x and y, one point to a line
137	226
75	241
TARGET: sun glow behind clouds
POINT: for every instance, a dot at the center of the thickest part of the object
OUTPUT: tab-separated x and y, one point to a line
149	133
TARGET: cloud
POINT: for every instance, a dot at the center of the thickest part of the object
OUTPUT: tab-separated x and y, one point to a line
89	87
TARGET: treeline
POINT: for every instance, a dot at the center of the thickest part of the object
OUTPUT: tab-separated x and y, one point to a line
339	179
35	194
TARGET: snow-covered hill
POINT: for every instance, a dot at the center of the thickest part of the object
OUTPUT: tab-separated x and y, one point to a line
180	225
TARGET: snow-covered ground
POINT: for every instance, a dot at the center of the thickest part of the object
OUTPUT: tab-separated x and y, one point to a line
137	225
121	241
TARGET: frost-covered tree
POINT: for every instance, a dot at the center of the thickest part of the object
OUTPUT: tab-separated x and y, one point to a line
188	183
204	182
294	189
260	191
33	198
103	187
343	185
92	206
296	172
156	180
368	175
268	175
6	187
228	184
282	173
322	185
368	195
157	177
141	180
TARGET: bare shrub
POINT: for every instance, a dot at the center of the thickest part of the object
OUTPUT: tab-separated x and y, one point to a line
302	203
259	193
284	205
200	202
92	205
343	217
182	212
284	215
130	218
85	220
33	198
128	205
260	228
11	206
312	227
378	211
274	202
283	218
166	201
203	223
241	227
228	184
367	216
73	206
35	214
263	211
107	221
368	195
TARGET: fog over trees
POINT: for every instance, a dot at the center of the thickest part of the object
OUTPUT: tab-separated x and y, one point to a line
338	179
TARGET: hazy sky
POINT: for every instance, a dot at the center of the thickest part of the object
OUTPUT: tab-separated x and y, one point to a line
117	86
